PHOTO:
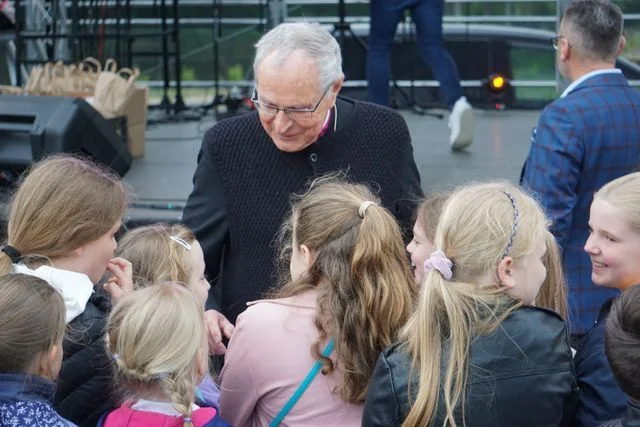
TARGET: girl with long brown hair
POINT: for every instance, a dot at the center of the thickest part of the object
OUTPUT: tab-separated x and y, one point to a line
61	227
349	286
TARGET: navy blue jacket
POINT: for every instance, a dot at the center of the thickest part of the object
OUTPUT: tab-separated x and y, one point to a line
26	401
600	398
583	141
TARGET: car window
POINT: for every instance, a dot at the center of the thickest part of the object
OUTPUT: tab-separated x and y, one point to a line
535	63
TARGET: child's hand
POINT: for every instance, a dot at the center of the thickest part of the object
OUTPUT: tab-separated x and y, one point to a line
121	281
217	325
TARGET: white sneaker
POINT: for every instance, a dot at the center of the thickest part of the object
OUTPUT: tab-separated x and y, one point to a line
461	124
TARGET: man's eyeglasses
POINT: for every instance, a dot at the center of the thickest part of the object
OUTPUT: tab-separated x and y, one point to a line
297	114
554	41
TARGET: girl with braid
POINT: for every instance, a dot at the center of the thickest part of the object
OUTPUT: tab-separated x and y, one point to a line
157	339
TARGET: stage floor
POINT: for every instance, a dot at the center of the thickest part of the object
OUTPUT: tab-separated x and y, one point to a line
162	178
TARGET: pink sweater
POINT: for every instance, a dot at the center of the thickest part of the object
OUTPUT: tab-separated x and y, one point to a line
268	357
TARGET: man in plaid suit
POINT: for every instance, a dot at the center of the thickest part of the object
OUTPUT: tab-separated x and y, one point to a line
588	137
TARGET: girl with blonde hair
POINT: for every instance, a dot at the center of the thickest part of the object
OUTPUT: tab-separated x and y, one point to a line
165	253
305	357
553	292
476	351
614	248
61	227
32	318
157	339
171	253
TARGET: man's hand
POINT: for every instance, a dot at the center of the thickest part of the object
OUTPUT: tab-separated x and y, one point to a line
217	325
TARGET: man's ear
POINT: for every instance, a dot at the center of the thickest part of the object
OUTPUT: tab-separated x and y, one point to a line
337	85
505	272
565	50
623	43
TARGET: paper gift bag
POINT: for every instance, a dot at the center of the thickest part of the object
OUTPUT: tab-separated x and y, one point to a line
114	88
56	79
88	71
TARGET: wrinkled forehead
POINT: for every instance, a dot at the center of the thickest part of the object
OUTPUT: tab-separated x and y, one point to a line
288	88
292	69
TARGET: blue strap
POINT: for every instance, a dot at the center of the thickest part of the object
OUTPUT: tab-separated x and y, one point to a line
303	386
101	420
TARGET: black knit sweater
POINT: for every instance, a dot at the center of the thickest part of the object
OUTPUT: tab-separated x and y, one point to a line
243	183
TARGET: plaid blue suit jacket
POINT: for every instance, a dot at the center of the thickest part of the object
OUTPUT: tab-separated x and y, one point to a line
582	141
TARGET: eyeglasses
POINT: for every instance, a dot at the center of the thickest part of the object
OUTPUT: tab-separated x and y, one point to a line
296	114
554	41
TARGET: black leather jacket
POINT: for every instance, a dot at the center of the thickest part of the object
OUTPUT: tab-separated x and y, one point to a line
520	375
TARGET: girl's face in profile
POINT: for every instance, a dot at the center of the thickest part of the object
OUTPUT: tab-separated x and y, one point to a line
197	280
420	249
94	257
613	246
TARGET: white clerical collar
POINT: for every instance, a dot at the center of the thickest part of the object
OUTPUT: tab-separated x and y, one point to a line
576	82
76	288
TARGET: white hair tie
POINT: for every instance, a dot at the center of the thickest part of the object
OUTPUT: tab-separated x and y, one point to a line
364	206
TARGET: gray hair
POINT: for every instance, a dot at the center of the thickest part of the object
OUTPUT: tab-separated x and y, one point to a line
312	39
597	26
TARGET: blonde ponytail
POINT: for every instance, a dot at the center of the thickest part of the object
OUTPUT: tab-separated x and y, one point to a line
475	227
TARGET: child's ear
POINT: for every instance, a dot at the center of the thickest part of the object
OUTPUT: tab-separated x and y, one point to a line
48	363
309	257
505	272
201	364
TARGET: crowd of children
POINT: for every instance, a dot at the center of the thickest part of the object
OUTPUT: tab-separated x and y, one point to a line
467	325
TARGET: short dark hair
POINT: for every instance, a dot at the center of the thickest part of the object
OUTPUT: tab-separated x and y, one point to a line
598	24
622	341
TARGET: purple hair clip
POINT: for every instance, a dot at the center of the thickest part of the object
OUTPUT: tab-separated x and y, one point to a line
439	261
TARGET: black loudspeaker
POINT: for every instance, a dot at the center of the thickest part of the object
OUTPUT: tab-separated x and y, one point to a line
32	127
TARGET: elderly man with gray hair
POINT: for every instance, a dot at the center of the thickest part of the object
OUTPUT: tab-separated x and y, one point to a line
248	166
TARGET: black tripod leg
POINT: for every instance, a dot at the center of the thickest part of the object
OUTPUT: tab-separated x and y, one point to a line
179	102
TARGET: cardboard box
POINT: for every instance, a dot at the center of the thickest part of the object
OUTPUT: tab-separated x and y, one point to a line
136	113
